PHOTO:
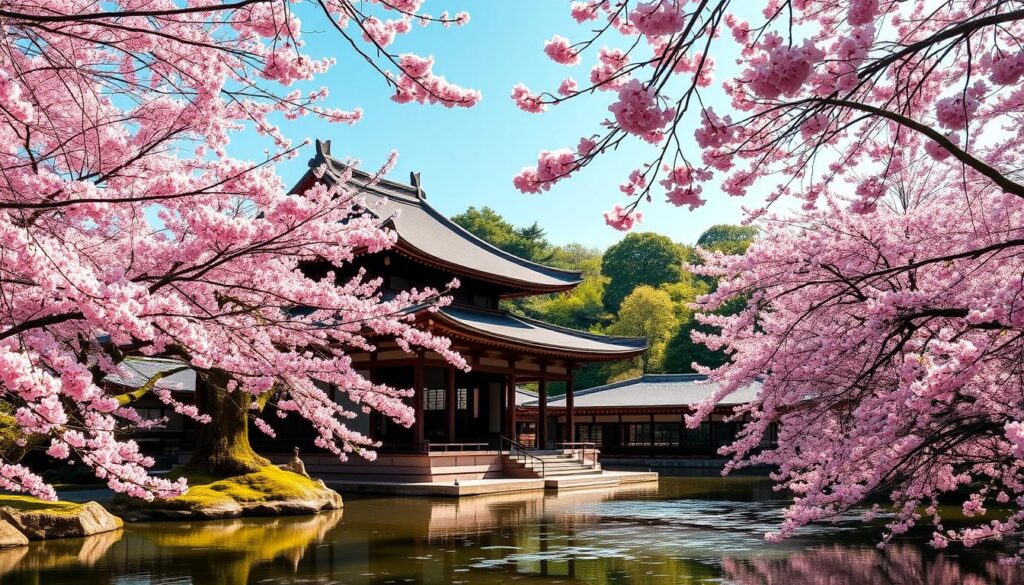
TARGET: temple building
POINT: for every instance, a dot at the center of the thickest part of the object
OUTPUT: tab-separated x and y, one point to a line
465	421
504	350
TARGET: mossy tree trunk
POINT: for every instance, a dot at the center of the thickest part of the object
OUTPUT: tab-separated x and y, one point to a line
222	446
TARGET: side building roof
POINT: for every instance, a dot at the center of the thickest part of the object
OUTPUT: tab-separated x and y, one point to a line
428	236
652	390
503	330
138	371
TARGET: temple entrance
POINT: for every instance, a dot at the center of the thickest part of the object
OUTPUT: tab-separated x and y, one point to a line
458	407
393	436
478	408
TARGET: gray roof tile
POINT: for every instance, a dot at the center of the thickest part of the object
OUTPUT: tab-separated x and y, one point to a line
654	390
521	330
137	371
429	232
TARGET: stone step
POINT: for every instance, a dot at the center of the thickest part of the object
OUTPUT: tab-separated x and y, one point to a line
571	472
556	462
550	468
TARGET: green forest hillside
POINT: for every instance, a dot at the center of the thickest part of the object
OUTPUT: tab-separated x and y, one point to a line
638	287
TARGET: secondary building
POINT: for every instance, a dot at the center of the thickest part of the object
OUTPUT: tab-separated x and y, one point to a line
643	417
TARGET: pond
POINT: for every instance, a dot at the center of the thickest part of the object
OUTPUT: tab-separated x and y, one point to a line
684	530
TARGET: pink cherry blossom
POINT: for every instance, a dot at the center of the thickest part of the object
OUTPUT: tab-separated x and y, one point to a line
527	100
658	18
568	87
584	11
606	74
878	146
862	12
622	219
782	70
560	50
937	151
418	83
681	187
1006	68
637	111
636	181
552	166
714	132
955	111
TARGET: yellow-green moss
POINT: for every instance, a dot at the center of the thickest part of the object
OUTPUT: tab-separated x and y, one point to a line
269	484
28	503
11	433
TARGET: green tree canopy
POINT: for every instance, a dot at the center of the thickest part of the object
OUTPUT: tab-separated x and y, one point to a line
728	239
684	292
643	258
529	242
649	313
580	308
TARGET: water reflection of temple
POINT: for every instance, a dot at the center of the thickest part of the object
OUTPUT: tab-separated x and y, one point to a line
694	532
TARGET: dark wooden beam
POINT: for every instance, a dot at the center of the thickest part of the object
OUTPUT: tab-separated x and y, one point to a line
570	426
542	410
419	435
450	405
510	401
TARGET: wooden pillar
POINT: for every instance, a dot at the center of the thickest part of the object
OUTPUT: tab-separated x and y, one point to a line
510	401
570	422
450	405
542	412
418	432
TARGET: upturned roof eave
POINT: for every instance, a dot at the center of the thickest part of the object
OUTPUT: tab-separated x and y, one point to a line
457	327
408	194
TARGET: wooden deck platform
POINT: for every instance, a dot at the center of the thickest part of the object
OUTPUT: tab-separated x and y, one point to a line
479	487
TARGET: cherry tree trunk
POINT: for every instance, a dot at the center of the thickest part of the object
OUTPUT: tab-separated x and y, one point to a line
222	446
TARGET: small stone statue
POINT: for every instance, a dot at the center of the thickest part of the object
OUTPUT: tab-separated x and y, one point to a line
296	465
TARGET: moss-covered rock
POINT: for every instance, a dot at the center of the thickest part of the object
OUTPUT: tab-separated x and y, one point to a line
271	491
39	520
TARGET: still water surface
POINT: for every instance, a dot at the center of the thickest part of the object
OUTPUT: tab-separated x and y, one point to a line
686	530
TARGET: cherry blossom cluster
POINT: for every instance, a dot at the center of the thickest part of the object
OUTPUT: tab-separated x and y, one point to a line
128	232
887	345
884	317
821	72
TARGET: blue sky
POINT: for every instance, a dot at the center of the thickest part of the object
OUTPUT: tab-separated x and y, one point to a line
469	156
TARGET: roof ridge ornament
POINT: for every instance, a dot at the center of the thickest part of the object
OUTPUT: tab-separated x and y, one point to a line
414	180
323	150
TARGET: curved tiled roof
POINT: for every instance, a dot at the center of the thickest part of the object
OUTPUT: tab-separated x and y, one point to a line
138	371
504	328
427	234
654	390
